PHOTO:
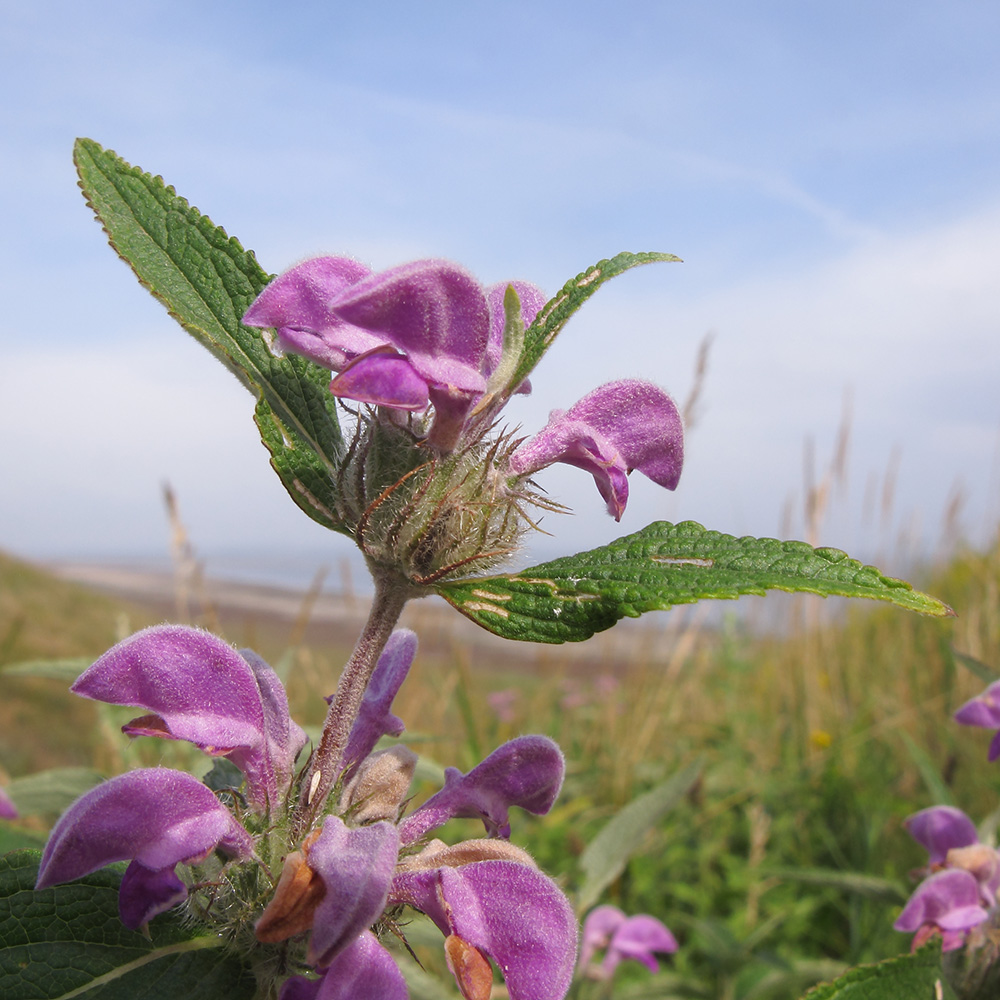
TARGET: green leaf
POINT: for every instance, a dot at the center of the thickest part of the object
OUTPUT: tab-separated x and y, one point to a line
869	886
938	788
981	670
569	599
556	313
207	281
68	941
57	670
909	977
605	857
50	792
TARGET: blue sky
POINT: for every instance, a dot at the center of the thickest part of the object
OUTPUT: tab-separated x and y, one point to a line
828	173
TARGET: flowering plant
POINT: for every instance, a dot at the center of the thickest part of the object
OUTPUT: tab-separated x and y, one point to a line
297	860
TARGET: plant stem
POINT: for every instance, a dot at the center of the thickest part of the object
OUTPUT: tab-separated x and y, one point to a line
391	595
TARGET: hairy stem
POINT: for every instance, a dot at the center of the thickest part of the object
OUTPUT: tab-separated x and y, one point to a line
391	595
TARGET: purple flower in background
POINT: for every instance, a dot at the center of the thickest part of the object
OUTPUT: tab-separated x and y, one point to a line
7	808
939	829
984	711
637	938
618	427
948	903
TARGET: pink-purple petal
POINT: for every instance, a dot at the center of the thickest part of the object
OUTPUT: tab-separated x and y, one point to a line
598	927
939	829
509	911
146	892
526	772
364	970
201	690
638	938
382	377
532	299
620	426
356	866
375	718
983	710
948	899
297	305
433	311
7	808
155	816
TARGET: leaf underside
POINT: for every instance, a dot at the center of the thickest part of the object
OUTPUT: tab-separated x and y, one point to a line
664	564
69	941
207	281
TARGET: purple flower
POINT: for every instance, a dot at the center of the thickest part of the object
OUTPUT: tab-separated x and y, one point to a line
487	896
526	772
375	719
637	938
156	818
939	829
426	334
618	427
364	970
199	688
7	808
506	910
415	335
984	711
947	903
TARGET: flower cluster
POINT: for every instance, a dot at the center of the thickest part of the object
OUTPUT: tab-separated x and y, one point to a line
621	937
960	893
255	881
437	356
961	888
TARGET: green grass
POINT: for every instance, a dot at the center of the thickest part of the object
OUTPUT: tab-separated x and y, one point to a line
817	744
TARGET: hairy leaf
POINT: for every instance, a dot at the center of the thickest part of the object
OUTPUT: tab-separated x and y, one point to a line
207	281
555	314
68	941
856	883
569	599
605	857
908	977
50	792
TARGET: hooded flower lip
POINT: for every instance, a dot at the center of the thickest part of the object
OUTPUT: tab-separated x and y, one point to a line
356	867
364	970
949	902
154	817
637	937
620	426
417	334
509	912
984	711
298	305
526	772
198	688
941	828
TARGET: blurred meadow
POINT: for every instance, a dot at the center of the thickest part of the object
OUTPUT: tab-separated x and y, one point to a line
796	743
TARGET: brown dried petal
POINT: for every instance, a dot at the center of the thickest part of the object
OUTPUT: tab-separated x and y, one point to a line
377	790
437	854
470	968
291	910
